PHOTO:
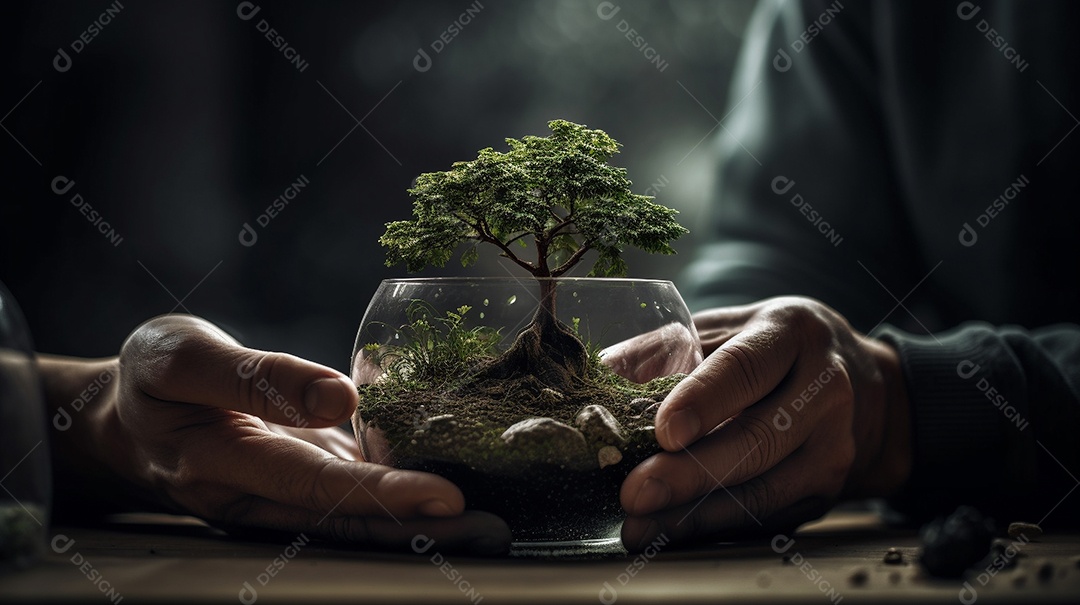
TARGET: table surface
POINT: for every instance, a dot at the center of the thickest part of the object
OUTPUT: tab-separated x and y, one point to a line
159	558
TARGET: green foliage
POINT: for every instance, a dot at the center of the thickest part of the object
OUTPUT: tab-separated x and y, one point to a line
557	190
437	348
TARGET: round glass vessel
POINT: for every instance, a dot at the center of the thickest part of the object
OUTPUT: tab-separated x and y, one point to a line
537	421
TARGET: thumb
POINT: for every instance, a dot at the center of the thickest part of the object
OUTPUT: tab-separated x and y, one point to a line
186	359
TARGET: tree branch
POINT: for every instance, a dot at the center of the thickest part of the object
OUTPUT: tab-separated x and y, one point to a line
573	260
486	236
517	237
563	223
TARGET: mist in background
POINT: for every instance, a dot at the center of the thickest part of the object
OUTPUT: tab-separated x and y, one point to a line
131	165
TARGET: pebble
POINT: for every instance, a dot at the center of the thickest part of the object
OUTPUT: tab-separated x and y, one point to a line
640	404
598	425
859	577
442	420
443	425
1045	571
893	557
563	444
437	431
953	544
609	455
1030	531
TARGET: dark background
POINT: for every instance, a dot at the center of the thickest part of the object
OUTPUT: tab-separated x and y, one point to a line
180	122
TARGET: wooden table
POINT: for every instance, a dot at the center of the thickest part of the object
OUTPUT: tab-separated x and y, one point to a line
157	558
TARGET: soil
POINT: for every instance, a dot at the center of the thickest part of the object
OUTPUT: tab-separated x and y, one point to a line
549	482
465	425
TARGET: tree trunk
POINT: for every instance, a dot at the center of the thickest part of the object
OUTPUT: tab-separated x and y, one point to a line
546	349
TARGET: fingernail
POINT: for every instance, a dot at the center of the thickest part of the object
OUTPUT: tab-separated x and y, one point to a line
682	427
653	496
326	397
436	508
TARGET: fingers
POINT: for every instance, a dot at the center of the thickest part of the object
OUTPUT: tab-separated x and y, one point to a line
785	495
186	359
743	370
298	474
336	441
750	443
717	326
667	350
739	450
473	532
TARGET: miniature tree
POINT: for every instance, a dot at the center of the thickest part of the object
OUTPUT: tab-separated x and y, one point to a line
558	193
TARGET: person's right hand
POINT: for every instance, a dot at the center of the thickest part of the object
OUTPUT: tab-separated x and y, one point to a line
791	410
246	439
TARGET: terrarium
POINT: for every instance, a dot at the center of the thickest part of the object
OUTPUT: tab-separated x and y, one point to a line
535	394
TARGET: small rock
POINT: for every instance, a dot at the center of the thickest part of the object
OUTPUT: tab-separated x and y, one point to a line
1045	571
553	442
953	544
598	425
893	557
640	404
609	455
437	429
1030	531
859	577
441	420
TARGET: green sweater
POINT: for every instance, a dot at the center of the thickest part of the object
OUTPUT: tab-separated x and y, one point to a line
911	165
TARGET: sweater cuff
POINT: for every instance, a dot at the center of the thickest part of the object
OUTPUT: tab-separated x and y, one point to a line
960	396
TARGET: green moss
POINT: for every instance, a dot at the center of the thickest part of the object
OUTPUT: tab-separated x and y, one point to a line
435	372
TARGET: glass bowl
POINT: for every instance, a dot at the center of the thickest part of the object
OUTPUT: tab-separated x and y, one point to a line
544	449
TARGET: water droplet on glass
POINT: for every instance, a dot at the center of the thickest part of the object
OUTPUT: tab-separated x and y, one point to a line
512	299
486	302
481	315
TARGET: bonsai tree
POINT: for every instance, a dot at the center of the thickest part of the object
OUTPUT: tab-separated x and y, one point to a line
557	193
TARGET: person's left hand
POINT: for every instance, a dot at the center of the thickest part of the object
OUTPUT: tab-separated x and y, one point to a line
189	420
790	410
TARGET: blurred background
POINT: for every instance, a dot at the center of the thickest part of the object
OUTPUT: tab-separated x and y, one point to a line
132	160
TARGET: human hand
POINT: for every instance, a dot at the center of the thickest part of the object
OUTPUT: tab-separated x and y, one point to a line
790	410
670	349
247	439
